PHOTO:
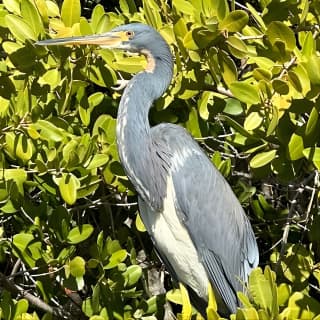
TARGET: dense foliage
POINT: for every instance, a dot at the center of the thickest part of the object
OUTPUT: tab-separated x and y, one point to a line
246	85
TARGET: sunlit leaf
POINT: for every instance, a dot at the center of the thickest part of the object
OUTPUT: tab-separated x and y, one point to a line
279	31
68	186
20	28
295	147
234	21
263	158
70	12
79	234
77	267
245	92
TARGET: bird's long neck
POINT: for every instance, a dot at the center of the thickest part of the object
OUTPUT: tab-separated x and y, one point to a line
135	145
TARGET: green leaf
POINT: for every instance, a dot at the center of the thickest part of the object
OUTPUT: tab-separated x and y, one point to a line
304	80
203	102
19	28
70	12
20	308
247	314
139	224
278	31
77	267
245	92
262	74
233	107
19	146
313	154
308	46
235	21
262	290
132	275
312	67
189	42
236	126
263	158
274	121
174	296
253	121
97	160
237	47
312	123
48	131
97	13
51	77
12	6
79	234
116	258
184	7
295	147
22	240
68	186
19	176
95	99
257	17
100	74
301	306
53	9
30	14
294	81
280	86
284	292
228	68
152	13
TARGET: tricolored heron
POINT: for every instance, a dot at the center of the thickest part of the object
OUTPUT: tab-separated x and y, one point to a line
192	215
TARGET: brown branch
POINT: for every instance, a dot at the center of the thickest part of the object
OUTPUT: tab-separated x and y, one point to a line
36	302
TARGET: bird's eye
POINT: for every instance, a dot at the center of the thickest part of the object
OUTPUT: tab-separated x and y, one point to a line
130	34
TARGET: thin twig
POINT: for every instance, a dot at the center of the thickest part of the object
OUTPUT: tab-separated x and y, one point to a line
291	212
38	303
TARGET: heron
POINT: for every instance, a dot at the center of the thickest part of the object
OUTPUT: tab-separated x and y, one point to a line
193	217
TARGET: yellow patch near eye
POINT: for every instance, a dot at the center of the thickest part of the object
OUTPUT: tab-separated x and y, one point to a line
124	35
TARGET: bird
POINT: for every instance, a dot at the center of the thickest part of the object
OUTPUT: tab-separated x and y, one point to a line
194	219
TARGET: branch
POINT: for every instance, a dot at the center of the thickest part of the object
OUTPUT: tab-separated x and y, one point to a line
286	230
16	290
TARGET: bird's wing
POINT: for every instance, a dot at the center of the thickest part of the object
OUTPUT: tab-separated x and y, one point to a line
211	212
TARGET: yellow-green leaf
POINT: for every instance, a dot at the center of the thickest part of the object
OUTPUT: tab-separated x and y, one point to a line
77	267
245	92
295	147
70	12
30	13
139	224
263	158
116	258
237	47
79	234
235	21
68	186
253	121
279	31
19	28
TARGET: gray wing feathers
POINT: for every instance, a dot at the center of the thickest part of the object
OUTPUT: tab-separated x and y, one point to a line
213	215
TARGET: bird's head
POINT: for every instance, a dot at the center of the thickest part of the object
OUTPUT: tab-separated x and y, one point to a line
134	37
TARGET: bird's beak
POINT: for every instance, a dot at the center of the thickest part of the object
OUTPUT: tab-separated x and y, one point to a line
104	40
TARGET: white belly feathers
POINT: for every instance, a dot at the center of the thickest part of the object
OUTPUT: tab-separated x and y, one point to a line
172	237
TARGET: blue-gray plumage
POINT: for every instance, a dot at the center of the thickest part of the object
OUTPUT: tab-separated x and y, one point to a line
194	219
